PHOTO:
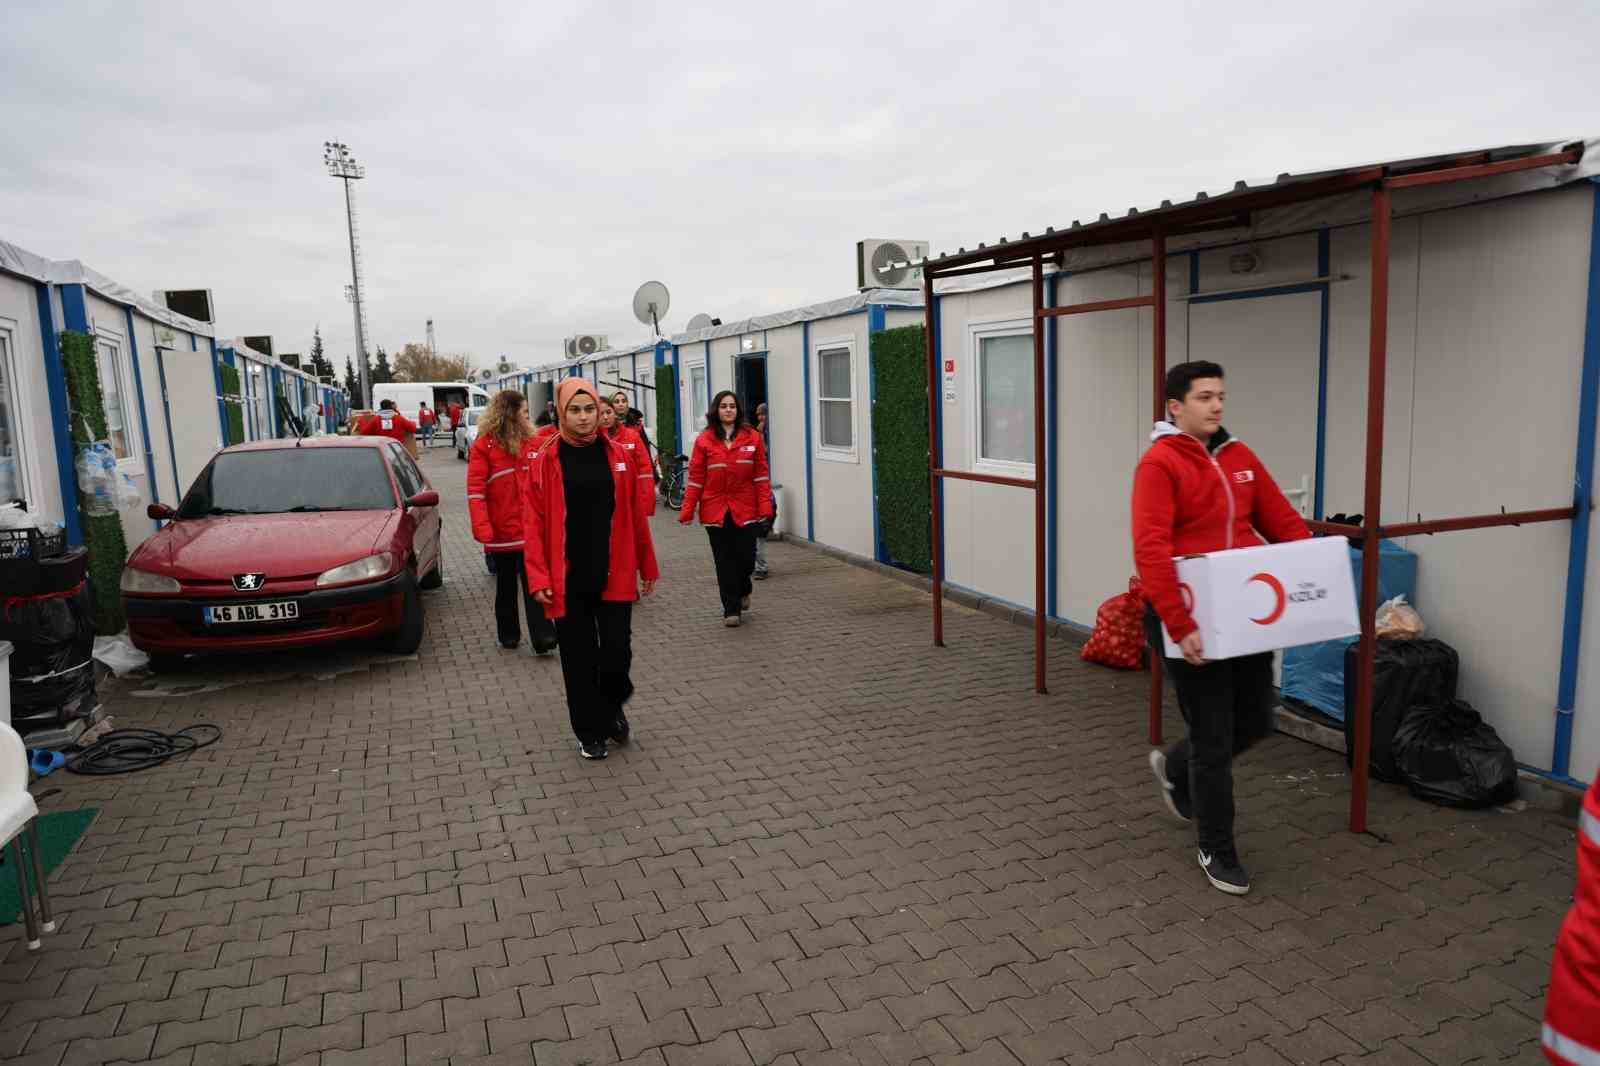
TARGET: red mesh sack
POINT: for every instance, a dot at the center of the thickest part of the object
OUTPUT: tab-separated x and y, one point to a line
1118	637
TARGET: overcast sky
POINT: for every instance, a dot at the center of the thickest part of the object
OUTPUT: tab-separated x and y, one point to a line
530	164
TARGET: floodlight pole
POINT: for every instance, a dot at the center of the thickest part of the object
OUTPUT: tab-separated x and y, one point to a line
342	164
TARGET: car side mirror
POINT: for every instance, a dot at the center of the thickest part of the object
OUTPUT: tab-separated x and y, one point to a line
160	512
425	498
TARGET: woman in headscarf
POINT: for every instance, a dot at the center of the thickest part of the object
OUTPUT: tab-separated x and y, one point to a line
731	487
589	556
494	499
612	412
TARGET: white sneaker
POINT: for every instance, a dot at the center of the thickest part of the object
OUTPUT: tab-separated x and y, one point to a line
1169	795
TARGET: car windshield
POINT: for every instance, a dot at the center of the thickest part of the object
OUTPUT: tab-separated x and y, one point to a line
295	480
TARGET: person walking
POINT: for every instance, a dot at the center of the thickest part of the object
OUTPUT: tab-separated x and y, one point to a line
387	422
761	571
638	455
1571	1034
1199	490
731	487
633	418
588	557
494	499
427	422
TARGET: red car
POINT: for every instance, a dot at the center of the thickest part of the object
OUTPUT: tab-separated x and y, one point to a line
285	543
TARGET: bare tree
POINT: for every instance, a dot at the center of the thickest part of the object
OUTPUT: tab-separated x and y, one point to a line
415	363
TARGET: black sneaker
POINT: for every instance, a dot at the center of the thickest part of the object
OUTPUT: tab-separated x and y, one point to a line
544	651
744	604
1224	871
511	645
592	749
1169	791
620	730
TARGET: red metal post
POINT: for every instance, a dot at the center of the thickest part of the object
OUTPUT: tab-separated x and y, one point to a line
1158	366
1040	468
935	495
1480	521
1482	170
1377	380
987	479
1098	305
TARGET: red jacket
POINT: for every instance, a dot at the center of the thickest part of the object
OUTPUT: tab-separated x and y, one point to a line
639	455
494	495
1189	499
387	423
454	410
426	417
728	476
544	528
1572	1002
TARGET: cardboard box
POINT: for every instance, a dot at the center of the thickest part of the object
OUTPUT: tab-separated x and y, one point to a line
1250	600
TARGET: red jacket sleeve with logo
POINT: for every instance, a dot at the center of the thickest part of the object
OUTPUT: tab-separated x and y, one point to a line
494	495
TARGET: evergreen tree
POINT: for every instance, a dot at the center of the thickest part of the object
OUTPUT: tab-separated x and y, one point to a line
352	383
320	366
381	374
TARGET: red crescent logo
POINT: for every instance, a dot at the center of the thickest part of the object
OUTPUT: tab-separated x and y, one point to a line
1188	596
1277	590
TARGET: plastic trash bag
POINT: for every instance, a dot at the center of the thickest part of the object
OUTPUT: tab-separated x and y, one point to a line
97	479
1447	754
119	655
129	495
1405	674
1118	637
1398	620
15	516
52	670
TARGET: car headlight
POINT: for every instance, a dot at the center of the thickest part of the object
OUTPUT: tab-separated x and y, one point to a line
144	581
373	566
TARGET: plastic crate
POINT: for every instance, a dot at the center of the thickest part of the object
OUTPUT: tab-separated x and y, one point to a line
30	543
32	562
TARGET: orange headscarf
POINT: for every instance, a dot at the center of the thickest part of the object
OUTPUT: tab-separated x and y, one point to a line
565	391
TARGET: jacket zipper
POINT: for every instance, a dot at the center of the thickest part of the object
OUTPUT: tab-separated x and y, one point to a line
1227	490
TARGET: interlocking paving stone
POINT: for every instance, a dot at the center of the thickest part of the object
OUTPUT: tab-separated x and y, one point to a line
830	842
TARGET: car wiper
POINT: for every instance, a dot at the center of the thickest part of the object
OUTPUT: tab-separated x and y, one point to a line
227	510
306	507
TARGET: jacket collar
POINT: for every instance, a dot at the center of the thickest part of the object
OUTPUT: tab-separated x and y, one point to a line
1167	429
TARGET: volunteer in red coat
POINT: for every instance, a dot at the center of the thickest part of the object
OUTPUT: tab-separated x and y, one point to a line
589	556
1572	1002
387	422
426	422
454	411
628	439
494	498
1199	490
730	485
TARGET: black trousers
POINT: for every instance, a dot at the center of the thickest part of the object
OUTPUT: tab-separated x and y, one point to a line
733	548
1227	707
596	659
510	587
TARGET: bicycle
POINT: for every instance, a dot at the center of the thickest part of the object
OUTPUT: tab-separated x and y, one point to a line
673	481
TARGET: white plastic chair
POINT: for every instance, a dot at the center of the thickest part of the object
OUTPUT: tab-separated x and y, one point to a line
17	812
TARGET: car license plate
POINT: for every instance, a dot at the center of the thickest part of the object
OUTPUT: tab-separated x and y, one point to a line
279	611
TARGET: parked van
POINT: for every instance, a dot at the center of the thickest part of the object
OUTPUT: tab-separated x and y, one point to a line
409	395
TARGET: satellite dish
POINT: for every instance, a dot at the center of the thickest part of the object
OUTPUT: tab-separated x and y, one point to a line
698	322
650	304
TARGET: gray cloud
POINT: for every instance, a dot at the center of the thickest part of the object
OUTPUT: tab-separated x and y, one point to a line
531	164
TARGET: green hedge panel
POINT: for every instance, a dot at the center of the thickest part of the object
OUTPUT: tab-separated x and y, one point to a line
666	416
108	549
900	436
230	389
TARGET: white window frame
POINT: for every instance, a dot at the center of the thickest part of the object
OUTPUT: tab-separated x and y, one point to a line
30	477
697	418
126	395
826	452
978	332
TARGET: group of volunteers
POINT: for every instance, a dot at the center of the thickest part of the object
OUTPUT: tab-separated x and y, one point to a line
563	509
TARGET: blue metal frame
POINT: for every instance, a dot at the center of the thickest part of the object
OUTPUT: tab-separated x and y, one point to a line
55	377
274	389
1582	498
877	321
805	389
710	388
1050	424
144	419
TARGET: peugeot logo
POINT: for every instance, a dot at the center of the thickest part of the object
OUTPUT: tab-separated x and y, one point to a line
248	582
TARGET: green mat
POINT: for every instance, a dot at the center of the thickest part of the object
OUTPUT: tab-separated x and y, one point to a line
58	832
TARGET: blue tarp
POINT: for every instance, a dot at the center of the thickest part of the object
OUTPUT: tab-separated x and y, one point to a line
1314	673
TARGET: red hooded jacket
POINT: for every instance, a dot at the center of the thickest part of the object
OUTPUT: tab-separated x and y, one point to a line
639	455
1572	1002
494	495
544	527
1189	499
728	476
386	423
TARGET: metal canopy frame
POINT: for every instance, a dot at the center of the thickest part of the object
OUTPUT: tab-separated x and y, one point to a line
1156	227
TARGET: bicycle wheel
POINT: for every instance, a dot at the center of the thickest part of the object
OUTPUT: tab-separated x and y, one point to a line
675	493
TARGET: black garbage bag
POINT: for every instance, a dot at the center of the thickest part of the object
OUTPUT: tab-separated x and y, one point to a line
1405	674
52	665
1447	754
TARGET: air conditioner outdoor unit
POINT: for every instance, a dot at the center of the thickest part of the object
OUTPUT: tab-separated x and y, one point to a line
190	303
586	344
486	375
887	264
505	366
